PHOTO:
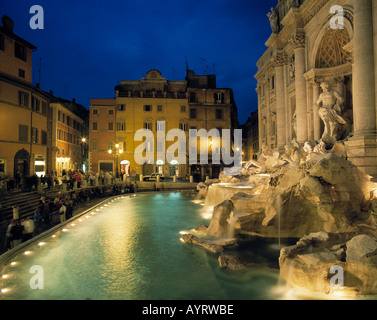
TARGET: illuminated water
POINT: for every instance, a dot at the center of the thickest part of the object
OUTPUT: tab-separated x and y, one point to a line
131	250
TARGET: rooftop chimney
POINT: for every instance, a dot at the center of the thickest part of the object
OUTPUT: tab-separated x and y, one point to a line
8	24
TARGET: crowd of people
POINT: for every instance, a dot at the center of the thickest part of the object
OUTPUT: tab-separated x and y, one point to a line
21	230
68	177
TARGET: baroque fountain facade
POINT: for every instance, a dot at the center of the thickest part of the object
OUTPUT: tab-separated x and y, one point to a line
310	193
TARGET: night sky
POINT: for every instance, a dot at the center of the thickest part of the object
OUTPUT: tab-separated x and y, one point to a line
87	47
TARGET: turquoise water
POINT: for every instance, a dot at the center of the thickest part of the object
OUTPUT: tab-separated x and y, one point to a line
130	250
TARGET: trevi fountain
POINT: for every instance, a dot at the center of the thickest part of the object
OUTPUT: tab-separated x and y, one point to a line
310	194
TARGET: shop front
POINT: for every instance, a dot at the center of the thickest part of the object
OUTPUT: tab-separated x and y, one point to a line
39	165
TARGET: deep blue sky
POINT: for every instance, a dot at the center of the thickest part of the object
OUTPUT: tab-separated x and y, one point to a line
87	47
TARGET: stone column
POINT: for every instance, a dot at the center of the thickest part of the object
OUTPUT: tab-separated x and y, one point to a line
281	59
375	49
298	40
316	118
363	77
309	112
362	147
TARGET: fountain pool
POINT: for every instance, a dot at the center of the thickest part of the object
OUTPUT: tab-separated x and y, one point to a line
129	249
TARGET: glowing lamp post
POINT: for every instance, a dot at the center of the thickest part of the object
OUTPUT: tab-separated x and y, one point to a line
115	153
83	142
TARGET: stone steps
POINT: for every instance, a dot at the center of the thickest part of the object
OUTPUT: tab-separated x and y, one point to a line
27	201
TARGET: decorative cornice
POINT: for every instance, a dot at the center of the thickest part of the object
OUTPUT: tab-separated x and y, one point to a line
320	74
280	59
298	39
313	11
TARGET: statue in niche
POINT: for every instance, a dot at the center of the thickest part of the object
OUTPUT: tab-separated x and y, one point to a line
292	67
294	124
274	20
329	104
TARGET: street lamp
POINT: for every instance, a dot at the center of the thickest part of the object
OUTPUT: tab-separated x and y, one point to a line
83	158
115	153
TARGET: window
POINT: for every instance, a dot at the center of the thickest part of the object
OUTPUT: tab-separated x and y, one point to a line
192	98
109	145
35	104
159	108
44	107
20	51
273	128
95	126
183	126
110	126
106	166
23	133
183	108
110	112
272	83
23	99
21	73
44	137
147	125
193	113
94	145
121	126
2	42
59	115
219	97
95	111
34	135
63	117
147	108
121	107
122	145
219	114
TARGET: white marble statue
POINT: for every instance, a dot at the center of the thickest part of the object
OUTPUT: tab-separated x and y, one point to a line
268	161
329	104
308	150
320	148
292	153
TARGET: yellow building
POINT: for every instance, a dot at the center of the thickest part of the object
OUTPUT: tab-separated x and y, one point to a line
159	105
23	109
142	104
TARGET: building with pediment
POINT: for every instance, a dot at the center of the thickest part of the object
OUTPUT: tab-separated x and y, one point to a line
316	41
